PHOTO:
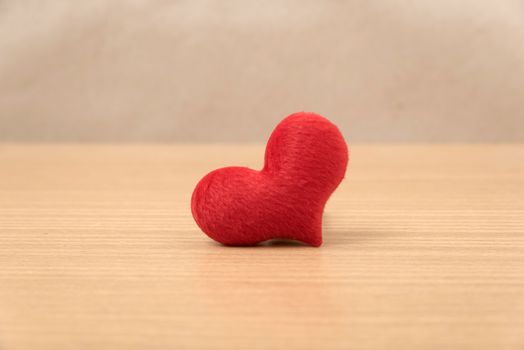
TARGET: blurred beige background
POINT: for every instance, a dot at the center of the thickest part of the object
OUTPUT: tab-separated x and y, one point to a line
229	70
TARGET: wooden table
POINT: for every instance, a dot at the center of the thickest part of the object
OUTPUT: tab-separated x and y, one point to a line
424	249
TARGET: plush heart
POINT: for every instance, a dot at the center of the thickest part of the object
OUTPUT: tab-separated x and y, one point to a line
306	159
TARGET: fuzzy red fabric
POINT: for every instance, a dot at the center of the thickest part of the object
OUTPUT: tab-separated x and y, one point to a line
306	159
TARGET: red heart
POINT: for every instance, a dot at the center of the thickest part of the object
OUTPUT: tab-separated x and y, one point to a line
306	159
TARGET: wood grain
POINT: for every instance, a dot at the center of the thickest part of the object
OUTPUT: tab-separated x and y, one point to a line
424	249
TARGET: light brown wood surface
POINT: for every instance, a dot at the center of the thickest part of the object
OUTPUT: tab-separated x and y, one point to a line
424	249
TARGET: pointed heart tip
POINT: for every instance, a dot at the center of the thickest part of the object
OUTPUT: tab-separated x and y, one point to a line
315	241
